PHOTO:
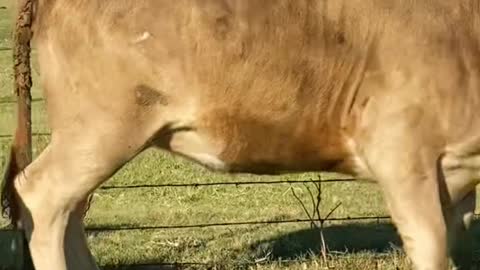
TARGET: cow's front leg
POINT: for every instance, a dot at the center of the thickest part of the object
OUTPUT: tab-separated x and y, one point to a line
416	211
405	165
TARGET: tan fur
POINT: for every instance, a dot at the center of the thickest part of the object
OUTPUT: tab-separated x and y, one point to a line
381	88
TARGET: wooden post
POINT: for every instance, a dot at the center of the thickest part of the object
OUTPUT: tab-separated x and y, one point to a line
22	85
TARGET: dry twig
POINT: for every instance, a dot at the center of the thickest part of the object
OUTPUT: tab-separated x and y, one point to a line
315	217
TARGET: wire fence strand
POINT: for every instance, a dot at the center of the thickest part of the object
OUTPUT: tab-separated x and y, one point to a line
12	100
35	134
239	183
110	228
228	224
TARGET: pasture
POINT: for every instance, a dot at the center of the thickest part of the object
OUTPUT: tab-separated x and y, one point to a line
351	245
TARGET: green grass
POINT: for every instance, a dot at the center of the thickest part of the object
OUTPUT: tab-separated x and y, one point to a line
351	245
6	13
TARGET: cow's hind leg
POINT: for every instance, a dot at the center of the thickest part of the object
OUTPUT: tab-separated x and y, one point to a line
53	190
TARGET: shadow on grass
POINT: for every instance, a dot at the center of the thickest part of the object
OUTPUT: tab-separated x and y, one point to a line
345	238
143	267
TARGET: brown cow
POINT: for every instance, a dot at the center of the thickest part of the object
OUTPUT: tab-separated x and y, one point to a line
383	89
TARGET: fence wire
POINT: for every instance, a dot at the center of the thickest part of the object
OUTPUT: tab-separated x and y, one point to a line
240	183
12	100
35	134
230	224
117	228
101	228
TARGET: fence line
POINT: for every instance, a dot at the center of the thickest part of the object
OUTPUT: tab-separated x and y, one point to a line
228	224
240	183
115	228
120	228
35	134
14	101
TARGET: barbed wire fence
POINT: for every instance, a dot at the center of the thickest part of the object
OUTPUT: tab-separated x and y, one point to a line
212	184
313	216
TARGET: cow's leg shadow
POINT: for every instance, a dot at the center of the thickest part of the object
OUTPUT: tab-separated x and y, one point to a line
339	238
346	238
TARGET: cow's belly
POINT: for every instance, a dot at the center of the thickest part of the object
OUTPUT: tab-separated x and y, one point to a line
253	148
196	147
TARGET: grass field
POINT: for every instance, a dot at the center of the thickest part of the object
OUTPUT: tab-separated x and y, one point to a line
287	246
